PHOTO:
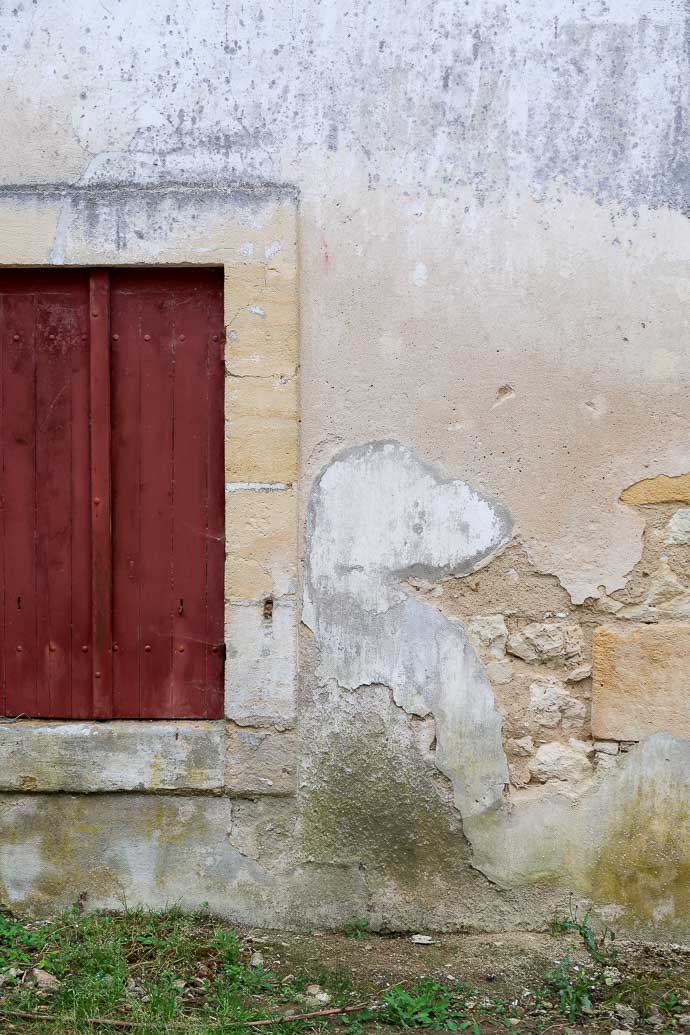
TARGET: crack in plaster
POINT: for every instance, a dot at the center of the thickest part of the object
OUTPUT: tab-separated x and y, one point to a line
377	516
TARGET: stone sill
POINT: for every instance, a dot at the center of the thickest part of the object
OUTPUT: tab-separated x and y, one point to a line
216	757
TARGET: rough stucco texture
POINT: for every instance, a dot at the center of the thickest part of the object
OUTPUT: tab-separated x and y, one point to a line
494	194
493	249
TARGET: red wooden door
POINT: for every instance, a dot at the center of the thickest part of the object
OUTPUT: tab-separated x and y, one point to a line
111	494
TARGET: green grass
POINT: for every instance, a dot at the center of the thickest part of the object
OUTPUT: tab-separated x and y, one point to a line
358	928
182	973
161	970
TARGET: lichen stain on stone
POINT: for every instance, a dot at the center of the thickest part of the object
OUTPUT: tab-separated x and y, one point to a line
643	863
155	771
69	855
59	853
662	489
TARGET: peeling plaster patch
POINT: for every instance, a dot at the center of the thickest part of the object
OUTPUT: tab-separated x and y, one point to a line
378	516
662	489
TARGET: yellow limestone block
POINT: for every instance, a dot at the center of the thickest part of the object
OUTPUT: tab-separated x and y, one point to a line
662	489
640	680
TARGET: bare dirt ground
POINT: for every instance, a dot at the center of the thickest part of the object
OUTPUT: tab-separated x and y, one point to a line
503	963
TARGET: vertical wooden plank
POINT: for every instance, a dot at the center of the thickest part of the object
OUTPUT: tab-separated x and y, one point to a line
82	673
193	324
19	494
46	543
157	424
126	400
60	313
3	584
101	546
166	336
215	539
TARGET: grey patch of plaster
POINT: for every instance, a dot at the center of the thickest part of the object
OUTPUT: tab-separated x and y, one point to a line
137	220
378	515
475	94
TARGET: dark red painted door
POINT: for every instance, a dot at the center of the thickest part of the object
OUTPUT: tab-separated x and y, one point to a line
111	494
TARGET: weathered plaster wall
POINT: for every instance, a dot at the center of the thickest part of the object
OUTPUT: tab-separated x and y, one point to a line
493	256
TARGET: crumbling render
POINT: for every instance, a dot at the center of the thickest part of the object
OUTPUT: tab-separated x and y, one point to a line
378	516
390	546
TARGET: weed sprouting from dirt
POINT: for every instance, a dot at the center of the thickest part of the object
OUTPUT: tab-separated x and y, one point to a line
427	1004
572	985
600	947
357	928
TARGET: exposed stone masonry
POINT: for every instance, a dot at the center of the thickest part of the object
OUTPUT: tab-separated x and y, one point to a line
539	661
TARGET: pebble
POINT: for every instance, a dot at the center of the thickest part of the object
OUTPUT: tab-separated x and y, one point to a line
316	995
627	1014
43	979
256	959
612	976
